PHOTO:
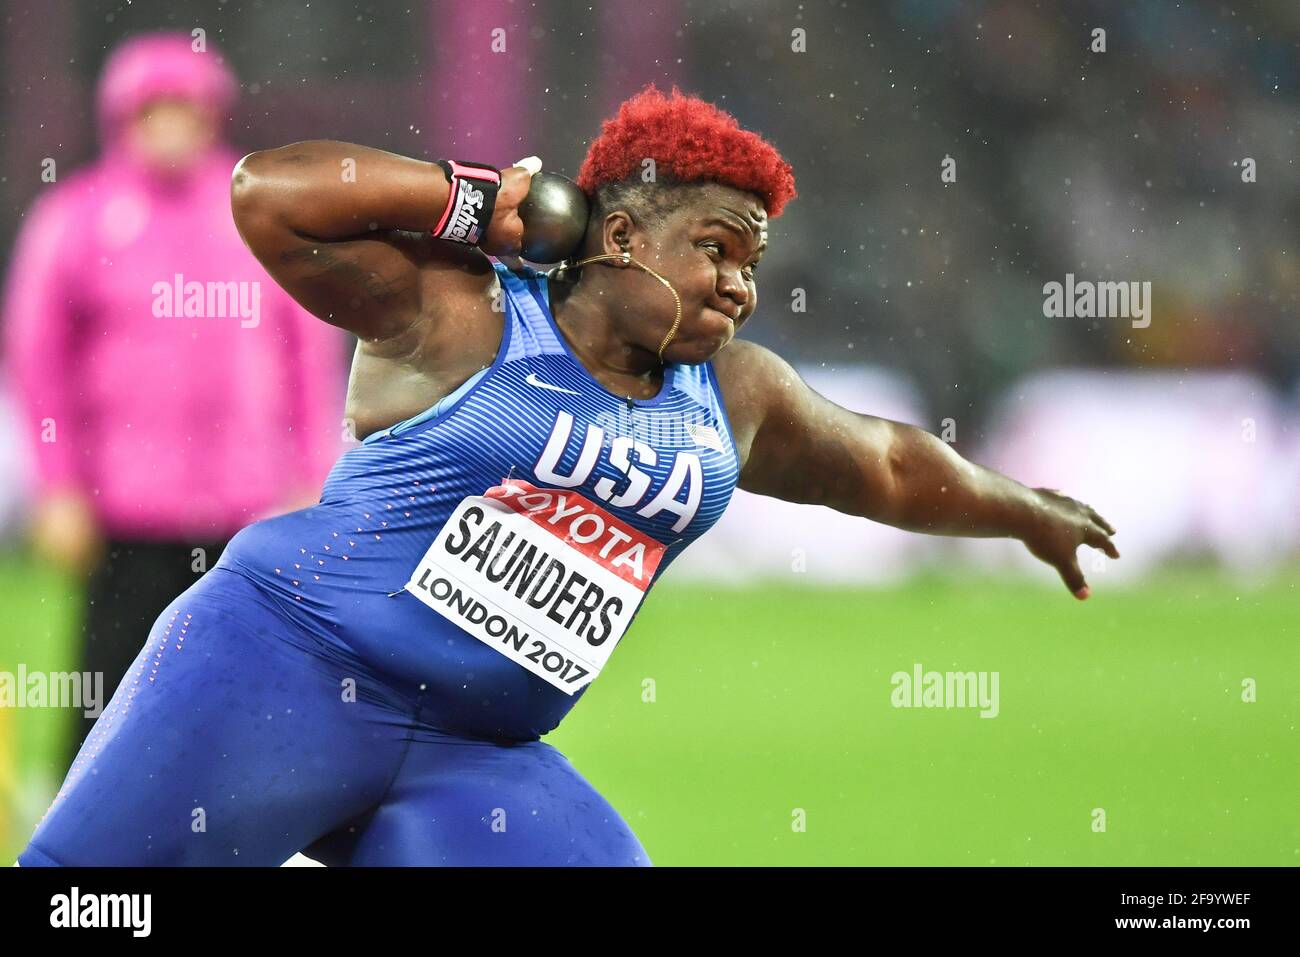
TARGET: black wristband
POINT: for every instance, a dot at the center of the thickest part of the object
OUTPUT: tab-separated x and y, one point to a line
470	202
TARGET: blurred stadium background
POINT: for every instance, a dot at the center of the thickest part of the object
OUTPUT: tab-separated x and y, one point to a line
770	645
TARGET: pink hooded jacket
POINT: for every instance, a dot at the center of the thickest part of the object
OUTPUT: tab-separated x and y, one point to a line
158	368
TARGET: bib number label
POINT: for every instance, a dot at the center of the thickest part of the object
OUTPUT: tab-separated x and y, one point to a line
546	577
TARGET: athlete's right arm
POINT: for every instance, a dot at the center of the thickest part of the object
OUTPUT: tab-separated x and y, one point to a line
344	229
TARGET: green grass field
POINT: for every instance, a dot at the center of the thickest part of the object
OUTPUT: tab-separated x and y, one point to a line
768	700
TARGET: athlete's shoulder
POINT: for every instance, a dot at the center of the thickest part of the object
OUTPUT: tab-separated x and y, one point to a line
749	369
519	279
515	269
751	378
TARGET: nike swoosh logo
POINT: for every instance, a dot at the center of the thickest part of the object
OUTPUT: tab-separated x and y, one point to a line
533	380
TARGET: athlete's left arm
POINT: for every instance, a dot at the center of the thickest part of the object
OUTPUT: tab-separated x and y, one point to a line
804	448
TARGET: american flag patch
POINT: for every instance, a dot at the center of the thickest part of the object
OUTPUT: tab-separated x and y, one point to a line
705	435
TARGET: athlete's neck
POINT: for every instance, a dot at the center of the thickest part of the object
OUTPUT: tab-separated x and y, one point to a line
599	339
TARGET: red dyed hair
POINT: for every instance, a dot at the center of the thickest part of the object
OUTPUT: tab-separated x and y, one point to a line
689	140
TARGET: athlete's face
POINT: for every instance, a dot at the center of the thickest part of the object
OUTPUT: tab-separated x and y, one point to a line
708	250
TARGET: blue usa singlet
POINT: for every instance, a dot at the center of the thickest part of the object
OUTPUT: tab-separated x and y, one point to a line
490	551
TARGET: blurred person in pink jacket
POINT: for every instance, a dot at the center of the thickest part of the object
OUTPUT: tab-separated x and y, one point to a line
171	391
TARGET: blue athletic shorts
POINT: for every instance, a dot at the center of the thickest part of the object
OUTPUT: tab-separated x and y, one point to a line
236	739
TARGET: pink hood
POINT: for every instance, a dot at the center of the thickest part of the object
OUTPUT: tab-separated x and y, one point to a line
160	64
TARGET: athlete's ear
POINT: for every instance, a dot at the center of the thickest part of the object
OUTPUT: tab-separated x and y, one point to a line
616	232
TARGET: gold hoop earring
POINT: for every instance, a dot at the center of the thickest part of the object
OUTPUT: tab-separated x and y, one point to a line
625	259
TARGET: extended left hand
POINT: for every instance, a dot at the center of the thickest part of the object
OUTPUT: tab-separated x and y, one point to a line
1060	526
